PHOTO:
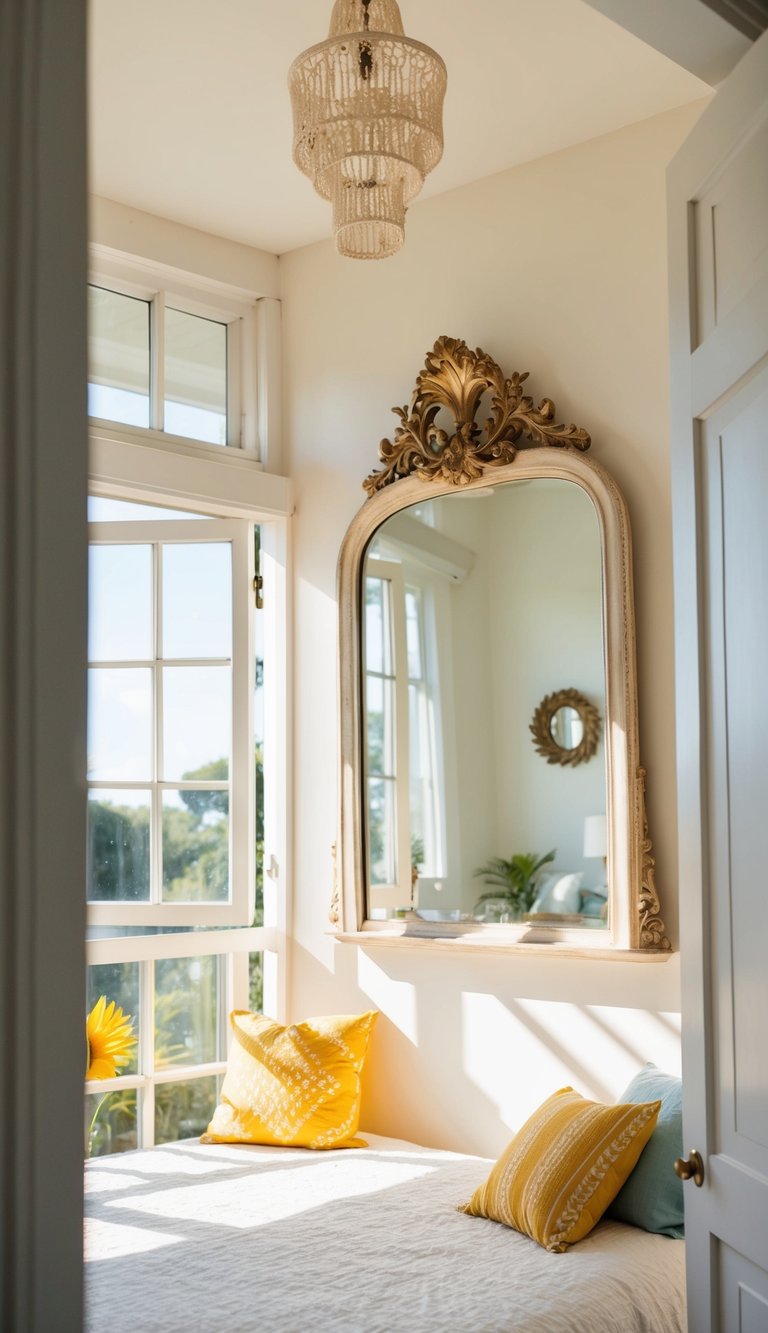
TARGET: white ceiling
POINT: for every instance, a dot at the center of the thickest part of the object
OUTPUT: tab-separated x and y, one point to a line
190	117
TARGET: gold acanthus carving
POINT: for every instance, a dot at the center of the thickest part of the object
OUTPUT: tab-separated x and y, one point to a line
652	928
334	913
456	379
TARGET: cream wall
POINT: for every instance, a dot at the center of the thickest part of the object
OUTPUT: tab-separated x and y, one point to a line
547	636
557	267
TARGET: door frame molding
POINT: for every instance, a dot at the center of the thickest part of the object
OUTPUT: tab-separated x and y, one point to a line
43	468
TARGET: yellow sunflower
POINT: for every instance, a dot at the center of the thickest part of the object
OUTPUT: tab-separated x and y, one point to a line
110	1039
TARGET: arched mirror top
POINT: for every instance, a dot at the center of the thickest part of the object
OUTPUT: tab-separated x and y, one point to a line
487	626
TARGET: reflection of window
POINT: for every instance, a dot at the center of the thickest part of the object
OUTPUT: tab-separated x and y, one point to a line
402	707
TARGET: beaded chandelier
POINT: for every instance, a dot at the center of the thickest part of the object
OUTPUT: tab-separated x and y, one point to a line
367	113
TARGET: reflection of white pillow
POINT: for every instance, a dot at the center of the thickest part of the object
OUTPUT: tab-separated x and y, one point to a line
559	893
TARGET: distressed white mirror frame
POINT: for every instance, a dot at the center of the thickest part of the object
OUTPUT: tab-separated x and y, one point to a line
426	462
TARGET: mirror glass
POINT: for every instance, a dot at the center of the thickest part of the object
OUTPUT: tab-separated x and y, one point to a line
475	606
567	728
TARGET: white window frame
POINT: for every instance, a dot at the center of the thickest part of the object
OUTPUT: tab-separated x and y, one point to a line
233	944
400	893
239	908
165	288
434	613
403	574
230	483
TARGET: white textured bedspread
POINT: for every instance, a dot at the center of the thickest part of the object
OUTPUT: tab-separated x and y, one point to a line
201	1238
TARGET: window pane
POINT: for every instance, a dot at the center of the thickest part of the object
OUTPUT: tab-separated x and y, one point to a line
118	357
111	1123
120	724
197	703
413	632
184	1110
381	832
196	846
381	726
195	377
197	600
118	982
258	733
120	603
186	1012
118	846
378	621
256	983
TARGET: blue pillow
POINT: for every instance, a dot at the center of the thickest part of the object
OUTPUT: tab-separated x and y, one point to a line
652	1197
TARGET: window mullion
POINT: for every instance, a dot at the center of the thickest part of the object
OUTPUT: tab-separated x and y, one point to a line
156	838
242	831
157	362
402	747
147	1052
234	378
237	990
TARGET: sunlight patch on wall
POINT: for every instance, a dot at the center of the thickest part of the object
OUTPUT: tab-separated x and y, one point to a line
395	999
518	1052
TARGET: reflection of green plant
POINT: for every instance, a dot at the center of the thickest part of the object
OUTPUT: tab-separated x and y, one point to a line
516	877
184	1110
195	843
417	853
118	861
185	1011
256	983
115	1128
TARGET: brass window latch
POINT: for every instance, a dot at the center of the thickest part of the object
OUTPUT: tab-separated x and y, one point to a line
258	588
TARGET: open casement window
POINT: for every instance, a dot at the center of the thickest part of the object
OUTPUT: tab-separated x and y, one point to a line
171	768
182	928
405	827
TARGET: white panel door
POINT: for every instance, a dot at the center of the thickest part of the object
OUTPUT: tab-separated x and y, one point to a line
718	199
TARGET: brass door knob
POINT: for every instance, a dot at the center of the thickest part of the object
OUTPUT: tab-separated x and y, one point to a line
692	1166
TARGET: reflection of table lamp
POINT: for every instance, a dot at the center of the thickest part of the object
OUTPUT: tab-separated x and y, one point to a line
596	839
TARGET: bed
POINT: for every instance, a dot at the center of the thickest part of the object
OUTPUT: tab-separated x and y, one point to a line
285	1240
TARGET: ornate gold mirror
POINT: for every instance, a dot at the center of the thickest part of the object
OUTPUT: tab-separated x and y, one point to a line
487	564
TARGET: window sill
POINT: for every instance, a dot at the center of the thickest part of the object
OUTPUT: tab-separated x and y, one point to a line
500	939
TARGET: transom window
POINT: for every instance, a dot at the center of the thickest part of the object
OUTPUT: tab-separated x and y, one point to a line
156	362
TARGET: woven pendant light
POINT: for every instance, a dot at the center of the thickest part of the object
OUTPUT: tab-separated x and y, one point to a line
367	114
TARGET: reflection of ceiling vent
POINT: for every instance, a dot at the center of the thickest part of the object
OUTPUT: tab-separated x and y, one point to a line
749	16
402	536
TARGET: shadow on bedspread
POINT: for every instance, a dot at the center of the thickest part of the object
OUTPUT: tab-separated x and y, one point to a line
201	1239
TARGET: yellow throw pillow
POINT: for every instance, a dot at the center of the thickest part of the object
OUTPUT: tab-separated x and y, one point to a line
564	1167
296	1086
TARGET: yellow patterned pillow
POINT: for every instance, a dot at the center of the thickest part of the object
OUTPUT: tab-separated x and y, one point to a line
297	1086
564	1167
